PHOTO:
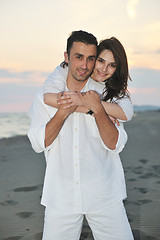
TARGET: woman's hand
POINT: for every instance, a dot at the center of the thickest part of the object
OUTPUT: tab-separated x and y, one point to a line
69	99
91	100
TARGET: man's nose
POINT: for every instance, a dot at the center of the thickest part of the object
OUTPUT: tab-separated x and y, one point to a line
84	64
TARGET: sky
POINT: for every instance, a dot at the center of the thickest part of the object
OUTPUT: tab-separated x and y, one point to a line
33	41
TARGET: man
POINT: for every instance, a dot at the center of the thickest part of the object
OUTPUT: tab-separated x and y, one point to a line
84	175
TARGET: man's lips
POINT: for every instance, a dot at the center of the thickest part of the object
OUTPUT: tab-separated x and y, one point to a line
82	72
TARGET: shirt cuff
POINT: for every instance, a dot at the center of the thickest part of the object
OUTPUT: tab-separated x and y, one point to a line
122	139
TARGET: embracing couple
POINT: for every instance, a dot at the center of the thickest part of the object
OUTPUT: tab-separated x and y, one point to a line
77	120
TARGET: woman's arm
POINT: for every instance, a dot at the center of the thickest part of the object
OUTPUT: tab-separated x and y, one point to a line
114	110
51	99
122	110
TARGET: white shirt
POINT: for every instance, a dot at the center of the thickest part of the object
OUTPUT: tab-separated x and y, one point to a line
56	82
82	174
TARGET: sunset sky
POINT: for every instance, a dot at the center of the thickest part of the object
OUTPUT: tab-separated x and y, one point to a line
33	40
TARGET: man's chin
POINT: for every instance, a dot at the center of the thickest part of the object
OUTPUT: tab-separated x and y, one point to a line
82	78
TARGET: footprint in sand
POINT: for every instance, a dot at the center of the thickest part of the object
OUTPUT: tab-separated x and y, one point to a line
132	179
142	190
156	168
144	161
9	203
145	201
24	214
13	238
147	175
142	202
26	189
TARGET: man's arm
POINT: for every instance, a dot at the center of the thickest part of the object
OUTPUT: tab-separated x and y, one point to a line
55	124
45	124
106	127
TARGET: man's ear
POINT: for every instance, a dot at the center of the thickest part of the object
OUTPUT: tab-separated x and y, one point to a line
66	57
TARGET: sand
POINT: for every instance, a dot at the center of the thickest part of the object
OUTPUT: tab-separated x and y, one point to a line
22	172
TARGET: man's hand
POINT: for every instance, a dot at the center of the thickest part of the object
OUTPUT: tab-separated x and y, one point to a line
91	100
65	104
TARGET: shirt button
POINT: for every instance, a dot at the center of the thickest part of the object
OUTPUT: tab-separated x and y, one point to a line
75	146
77	183
76	164
75	129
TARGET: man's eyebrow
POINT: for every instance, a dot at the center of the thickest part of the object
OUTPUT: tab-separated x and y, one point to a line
92	56
79	54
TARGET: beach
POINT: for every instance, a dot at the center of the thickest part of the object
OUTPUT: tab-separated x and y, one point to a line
22	172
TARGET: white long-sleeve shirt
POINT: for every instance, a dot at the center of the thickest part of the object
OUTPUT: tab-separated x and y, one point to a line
82	174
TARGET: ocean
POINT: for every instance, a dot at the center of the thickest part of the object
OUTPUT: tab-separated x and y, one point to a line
14	124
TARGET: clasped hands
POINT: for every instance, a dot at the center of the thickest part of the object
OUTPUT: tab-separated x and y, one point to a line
90	100
84	101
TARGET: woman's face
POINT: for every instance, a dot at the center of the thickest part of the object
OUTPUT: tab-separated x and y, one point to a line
105	66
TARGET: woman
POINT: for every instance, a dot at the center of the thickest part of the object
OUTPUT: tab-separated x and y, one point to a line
110	71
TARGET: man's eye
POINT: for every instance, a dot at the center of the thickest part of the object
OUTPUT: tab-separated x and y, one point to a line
91	59
79	57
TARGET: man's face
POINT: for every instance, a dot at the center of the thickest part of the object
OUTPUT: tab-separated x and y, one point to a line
81	61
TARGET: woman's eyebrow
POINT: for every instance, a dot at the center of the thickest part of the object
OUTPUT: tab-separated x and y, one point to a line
101	58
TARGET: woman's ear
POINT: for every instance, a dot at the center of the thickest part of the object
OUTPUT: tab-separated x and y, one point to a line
66	57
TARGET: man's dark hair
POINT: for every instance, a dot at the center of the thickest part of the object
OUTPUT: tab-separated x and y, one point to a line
80	36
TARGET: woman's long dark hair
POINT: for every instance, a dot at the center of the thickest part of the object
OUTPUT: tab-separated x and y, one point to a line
116	86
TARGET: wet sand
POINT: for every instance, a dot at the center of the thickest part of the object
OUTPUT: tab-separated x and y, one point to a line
22	172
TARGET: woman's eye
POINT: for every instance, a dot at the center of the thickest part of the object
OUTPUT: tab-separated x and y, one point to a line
100	60
113	65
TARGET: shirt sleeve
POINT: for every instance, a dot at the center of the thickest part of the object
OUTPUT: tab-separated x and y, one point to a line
121	142
39	117
56	82
127	107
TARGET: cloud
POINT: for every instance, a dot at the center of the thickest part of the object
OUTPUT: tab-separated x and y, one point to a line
22	77
131	8
6	73
145	78
158	51
144	90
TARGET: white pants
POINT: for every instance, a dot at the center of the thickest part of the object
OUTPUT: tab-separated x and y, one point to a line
109	224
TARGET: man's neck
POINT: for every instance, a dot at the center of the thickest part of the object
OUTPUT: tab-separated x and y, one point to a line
75	85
